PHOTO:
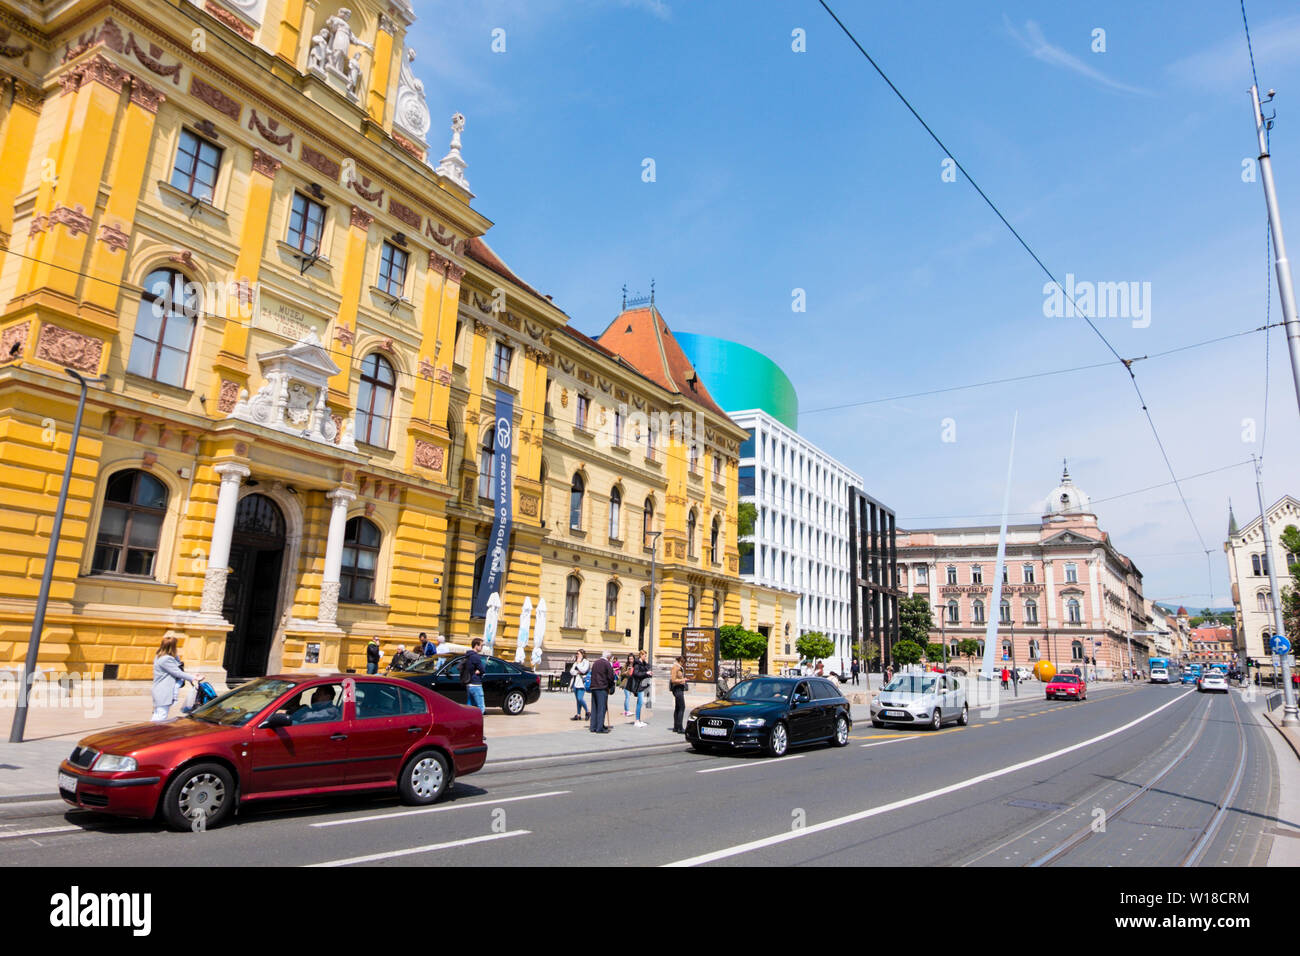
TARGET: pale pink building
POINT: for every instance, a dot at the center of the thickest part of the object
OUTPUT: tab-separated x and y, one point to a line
1067	595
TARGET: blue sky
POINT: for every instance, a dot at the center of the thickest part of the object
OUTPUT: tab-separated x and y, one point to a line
778	170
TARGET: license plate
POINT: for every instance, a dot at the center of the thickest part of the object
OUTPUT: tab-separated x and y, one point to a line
895	713
714	731
68	782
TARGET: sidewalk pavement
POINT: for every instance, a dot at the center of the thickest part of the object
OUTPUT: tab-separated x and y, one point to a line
1285	742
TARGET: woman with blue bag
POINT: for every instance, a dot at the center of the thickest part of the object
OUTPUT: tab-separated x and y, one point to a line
581	671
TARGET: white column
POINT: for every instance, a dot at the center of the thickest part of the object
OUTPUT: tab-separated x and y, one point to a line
223	527
1049	590
327	611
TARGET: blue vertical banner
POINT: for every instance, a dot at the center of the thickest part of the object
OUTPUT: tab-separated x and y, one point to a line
498	551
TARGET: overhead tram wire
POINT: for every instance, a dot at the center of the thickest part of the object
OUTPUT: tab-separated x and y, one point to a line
1128	364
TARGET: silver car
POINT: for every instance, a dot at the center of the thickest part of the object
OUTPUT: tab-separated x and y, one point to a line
921	700
1213	681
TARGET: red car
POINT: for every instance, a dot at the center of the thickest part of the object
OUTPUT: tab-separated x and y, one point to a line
282	736
1067	686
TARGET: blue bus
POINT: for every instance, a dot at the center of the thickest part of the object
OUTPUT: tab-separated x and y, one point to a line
1163	670
1191	674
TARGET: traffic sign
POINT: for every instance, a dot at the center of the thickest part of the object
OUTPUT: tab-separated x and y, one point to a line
1280	645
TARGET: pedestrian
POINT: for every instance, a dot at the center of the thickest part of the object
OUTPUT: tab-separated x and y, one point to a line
1015	680
640	679
1005	677
168	676
677	683
889	673
854	669
373	654
471	675
581	671
625	675
427	647
818	672
602	682
400	661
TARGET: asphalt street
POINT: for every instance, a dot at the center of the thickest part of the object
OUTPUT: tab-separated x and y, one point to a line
1134	776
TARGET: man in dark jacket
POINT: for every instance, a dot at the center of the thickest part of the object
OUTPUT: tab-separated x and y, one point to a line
602	682
471	675
373	653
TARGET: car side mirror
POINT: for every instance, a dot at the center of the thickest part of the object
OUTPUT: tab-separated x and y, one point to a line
278	719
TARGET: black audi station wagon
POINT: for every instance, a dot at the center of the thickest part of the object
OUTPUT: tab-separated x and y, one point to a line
772	714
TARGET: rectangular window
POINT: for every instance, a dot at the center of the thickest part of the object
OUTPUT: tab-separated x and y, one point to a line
952	574
197	163
306	225
747	447
501	363
618	428
746	480
1028	570
583	403
976	574
922	574
650	441
1071	574
392	270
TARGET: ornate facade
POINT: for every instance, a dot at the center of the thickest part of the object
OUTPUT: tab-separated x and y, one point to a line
1248	572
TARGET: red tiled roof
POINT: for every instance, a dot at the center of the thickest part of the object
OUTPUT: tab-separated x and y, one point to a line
642	338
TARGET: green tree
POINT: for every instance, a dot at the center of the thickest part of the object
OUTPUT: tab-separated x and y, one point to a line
934	652
815	646
738	644
968	648
915	620
1291	595
907	652
746	515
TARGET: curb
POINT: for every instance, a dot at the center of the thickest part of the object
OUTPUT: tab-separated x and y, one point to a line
1288	737
24	797
517	762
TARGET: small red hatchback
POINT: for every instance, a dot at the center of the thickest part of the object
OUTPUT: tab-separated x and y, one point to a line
1067	686
283	736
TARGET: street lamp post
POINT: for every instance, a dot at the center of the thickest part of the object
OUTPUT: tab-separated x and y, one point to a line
650	611
43	598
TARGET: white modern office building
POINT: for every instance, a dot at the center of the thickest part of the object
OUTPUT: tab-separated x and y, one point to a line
801	532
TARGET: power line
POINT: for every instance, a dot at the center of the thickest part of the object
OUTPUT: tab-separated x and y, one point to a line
1128	366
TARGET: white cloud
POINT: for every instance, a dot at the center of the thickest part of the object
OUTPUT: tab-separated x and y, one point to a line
656	8
1277	45
1040	49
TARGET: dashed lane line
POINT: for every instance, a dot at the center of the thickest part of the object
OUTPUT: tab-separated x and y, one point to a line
411	851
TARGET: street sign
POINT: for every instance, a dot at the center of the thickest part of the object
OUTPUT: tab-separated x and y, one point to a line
1280	645
700	648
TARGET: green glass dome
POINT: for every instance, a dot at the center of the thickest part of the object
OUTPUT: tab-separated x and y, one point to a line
739	377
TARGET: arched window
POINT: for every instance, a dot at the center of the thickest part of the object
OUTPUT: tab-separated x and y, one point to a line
575	501
977	611
1035	649
953	647
615	516
487	463
647	522
360	558
375	400
164	327
135	504
690	608
572	590
714	555
1031	611
1004	612
1261	602
1076	650
1072	612
611	606
954	612
1006	648
694	457
690	534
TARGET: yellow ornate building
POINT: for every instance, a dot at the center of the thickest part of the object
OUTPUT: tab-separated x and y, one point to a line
230	210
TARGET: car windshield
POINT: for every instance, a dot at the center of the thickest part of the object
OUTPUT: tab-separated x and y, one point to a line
1065	679
427	665
242	704
912	684
760	690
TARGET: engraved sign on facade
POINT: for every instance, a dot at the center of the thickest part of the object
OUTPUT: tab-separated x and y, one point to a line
286	320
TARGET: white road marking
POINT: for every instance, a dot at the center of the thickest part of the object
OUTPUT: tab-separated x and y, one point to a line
458	805
409	851
893	741
750	763
22	833
910	801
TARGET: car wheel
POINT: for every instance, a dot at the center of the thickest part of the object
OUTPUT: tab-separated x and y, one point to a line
841	731
514	703
778	741
964	719
424	778
204	790
937	720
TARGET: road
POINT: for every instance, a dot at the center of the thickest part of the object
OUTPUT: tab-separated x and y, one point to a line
1135	776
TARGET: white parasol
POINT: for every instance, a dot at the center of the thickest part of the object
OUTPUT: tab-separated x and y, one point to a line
538	631
525	622
490	622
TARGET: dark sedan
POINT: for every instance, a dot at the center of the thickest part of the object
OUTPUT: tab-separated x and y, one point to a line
772	714
508	686
285	736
